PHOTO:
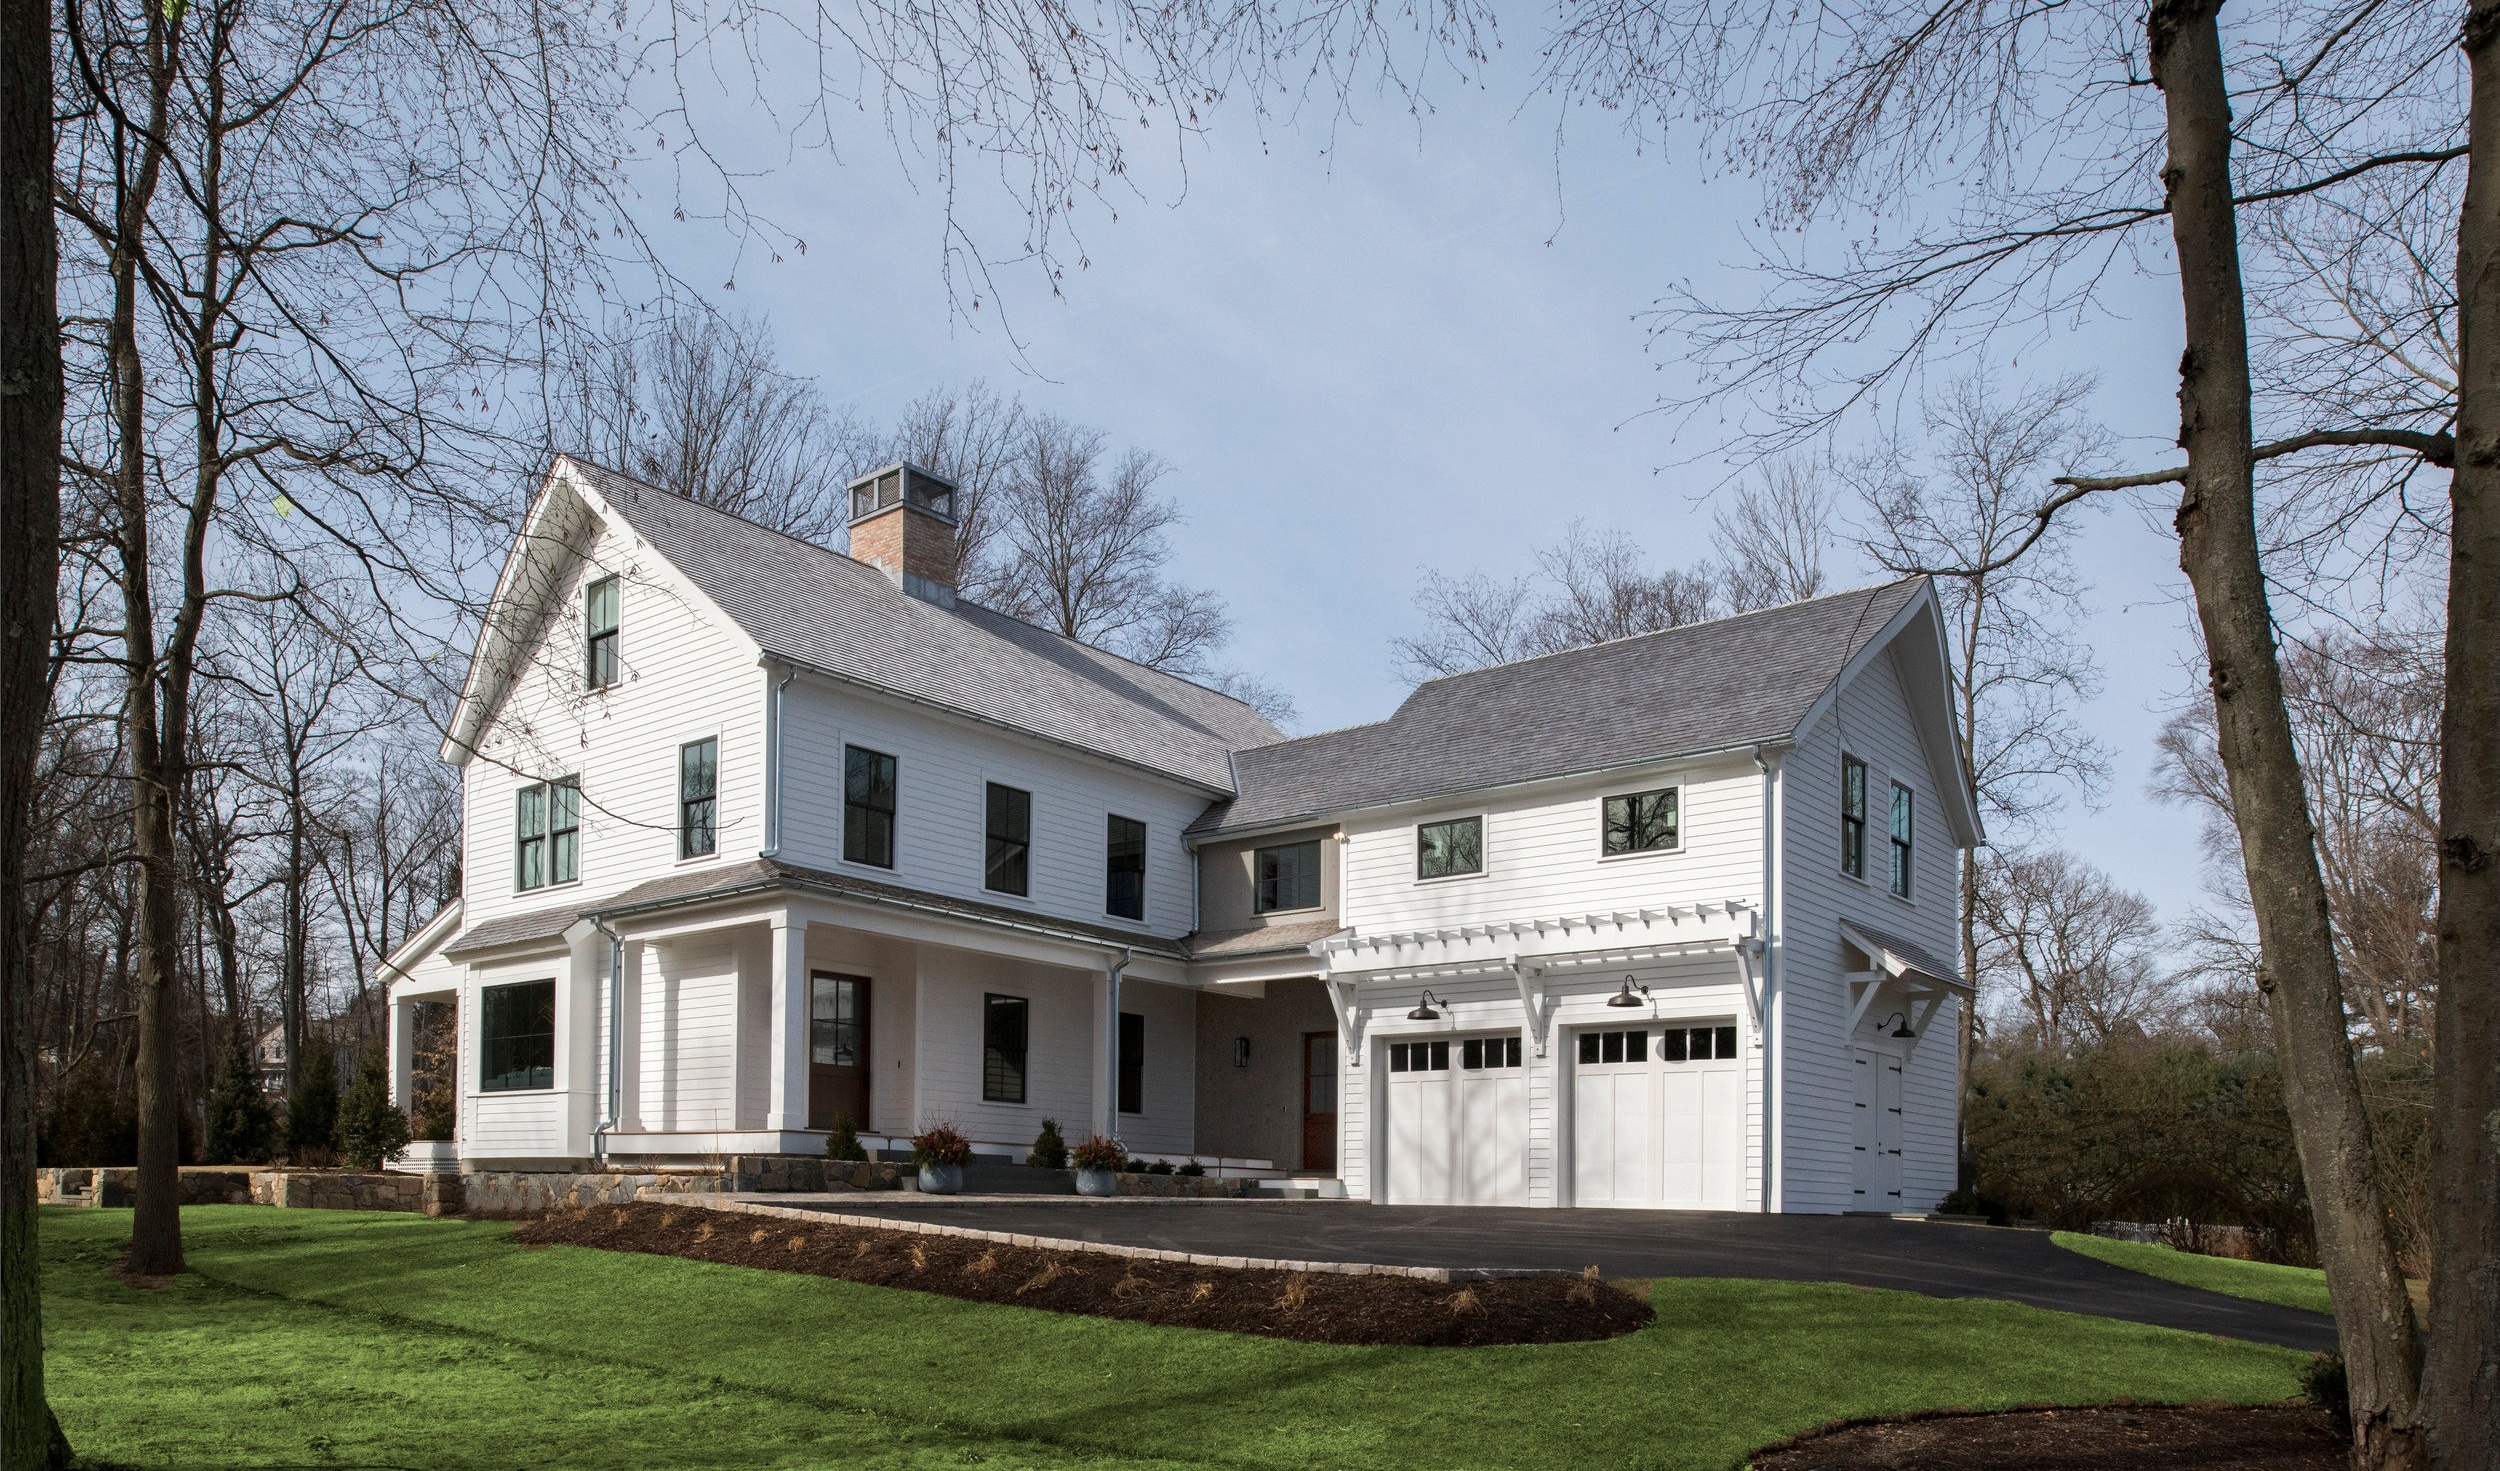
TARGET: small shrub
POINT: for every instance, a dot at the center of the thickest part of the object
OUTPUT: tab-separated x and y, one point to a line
1968	1202
1050	1272
1128	1286
758	1238
942	1145
1191	1168
1202	1292
1050	1152
843	1142
985	1264
370	1129
1466	1304
919	1257
2327	1388
1584	1290
1098	1153
1297	1292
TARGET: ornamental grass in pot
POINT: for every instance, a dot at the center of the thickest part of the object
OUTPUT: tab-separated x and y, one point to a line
1097	1163
941	1153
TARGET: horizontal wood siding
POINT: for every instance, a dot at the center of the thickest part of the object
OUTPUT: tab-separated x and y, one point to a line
524	1125
688	1053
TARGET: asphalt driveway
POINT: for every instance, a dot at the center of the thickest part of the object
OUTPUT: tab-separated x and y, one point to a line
1910	1256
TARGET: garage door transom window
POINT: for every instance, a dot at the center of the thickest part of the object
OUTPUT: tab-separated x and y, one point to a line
1614	1046
1489	1052
1697	1044
1419	1057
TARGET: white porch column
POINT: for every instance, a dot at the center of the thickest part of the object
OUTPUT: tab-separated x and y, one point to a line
626	1034
1107	1070
403	1052
786	1104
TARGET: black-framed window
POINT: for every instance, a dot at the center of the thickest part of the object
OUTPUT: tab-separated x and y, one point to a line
1644	822
1448	849
516	1034
1901	804
1124	868
547	834
1285	877
837	1020
1006	1027
1132	1063
1419	1057
1007	869
599	669
698	799
1599	1047
1853	817
1696	1044
867	806
1489	1052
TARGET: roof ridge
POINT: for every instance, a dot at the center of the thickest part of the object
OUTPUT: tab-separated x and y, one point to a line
1605	643
818	546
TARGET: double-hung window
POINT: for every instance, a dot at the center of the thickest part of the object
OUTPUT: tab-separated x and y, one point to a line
1285	877
1007	868
1853	817
517	1036
1643	822
547	834
599	633
1448	849
1124	868
867	806
1901	802
698	802
1004	1027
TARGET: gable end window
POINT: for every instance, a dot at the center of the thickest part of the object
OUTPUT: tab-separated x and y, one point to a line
547	834
1644	822
1132	1062
599	630
1007	869
1853	817
867	806
698	805
1285	877
1449	849
1124	865
1901	803
517	1037
1004	1023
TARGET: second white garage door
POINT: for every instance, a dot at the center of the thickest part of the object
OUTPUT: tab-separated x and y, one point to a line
1658	1117
1458	1122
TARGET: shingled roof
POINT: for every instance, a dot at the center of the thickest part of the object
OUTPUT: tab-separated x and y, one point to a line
823	612
1702	687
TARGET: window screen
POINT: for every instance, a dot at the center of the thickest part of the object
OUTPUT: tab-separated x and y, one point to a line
517	1036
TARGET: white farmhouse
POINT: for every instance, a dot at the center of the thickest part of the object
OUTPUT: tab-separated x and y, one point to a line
759	834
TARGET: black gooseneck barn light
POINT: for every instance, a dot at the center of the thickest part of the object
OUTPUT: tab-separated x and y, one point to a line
1903	1031
1423	1011
1625	997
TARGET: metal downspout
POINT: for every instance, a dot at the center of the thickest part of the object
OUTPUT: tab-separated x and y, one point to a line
772	764
1111	1051
614	1102
1774	1042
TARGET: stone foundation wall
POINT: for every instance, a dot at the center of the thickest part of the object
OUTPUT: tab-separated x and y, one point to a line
338	1191
1193	1187
111	1185
486	1193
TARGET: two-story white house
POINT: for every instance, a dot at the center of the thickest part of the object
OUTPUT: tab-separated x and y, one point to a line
759	835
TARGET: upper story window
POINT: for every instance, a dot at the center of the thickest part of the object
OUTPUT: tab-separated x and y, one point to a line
599	628
1285	877
1901	802
1644	822
1124	868
1853	817
1007	868
867	806
517	1036
547	834
1448	849
698	803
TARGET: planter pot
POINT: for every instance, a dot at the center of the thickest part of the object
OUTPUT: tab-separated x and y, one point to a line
942	1179
1097	1182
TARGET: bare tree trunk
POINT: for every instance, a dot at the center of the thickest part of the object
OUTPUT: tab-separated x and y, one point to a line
2218	549
30	564
2461	1380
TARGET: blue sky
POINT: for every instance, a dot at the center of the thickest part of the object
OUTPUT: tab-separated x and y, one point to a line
1394	345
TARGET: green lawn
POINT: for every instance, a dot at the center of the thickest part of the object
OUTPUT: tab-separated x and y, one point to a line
2291	1287
327	1338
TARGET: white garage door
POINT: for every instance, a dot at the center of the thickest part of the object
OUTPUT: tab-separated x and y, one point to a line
1658	1117
1458	1122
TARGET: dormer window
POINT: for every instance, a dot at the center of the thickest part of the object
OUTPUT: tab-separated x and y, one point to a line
599	625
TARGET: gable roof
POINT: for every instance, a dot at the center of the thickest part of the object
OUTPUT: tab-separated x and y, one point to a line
823	612
1718	685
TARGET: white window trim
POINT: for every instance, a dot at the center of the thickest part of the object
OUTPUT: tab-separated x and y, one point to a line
1683	814
1415	839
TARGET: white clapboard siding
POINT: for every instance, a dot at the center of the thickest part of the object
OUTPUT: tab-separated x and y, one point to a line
534	1124
942	770
687	1060
1931	1097
1871	720
688	675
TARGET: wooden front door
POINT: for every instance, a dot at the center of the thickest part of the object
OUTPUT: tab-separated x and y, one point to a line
1319	1101
837	1050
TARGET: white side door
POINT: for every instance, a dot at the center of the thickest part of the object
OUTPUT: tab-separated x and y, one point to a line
1875	1135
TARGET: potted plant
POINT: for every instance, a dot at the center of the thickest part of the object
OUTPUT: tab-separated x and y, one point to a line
941	1153
1097	1166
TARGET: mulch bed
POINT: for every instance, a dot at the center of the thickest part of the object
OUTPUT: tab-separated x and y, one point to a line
2104	1438
1318	1307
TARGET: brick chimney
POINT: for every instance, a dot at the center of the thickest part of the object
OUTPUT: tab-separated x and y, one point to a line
903	524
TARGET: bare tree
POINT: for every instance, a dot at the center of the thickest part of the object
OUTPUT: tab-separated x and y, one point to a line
1590	587
974	437
2077	954
1773	533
